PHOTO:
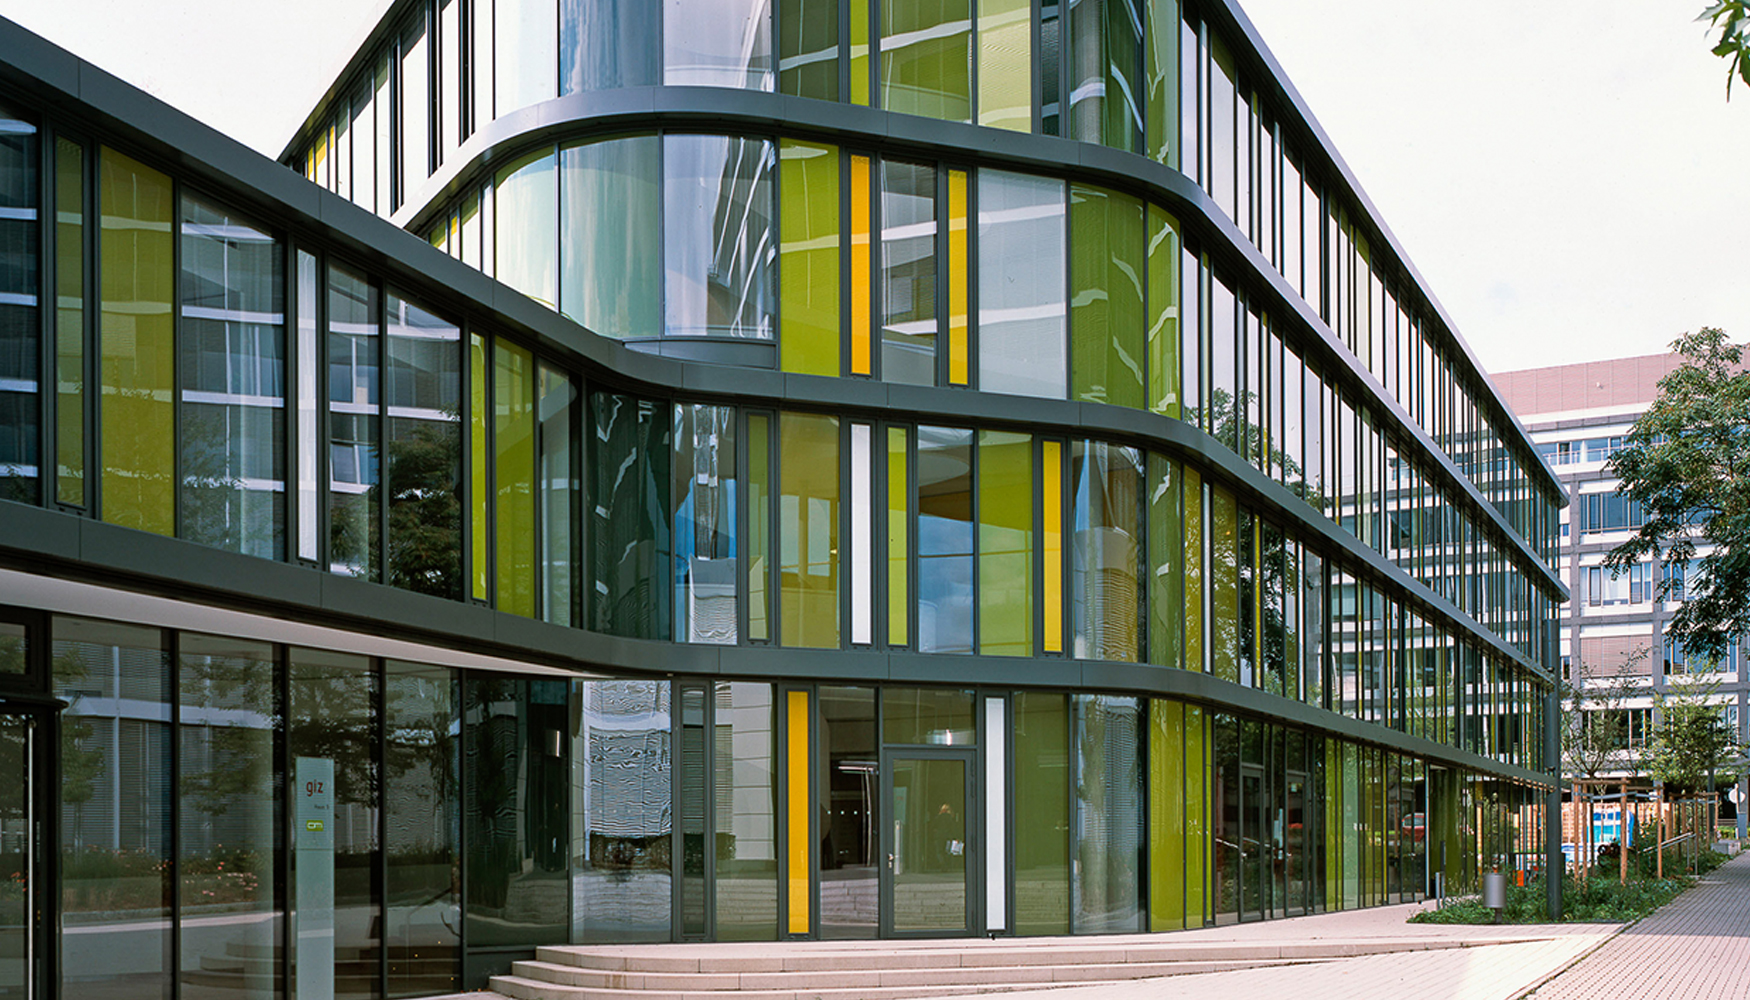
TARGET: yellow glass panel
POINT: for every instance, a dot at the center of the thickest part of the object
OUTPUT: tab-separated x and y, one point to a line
1163	312
898	538
809	257
1051	544
860	52
138	346
861	316
958	265
1196	817
1166	821
808	532
798	810
1224	585
1005	543
1193	494
477	521
1005	64
513	406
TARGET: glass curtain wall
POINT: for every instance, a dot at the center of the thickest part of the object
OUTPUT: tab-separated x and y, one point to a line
1107	891
20	333
850	793
706	567
421	825
610	209
944	540
630	546
1106	573
1022	298
926	58
354	395
423	447
909	323
622	812
605	44
719	245
717	43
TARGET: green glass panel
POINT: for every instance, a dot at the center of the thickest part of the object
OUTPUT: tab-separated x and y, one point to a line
898	537
610	216
860	66
525	233
1005	544
926	58
1197	844
1163	312
1167	776
1224	585
1105	62
1005	64
138	345
808	529
70	322
513	439
927	716
759	527
1106	325
1041	746
1193	563
808	48
1165	560
1161	77
808	268
478	524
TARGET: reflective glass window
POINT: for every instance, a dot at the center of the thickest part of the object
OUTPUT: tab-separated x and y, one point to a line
20	331
1224	586
232	374
908	273
809	186
1223	143
332	732
556	496
1105	38
851	844
1042	790
610	218
605	44
526	36
1222	421
115	795
1107	244
415	113
518	801
1106	891
1022	300
928	716
706	568
629	516
353	399
513	467
423	450
526	240
622	771
1165	559
945	540
70	340
1105	570
717	43
1164	315
808	48
808	529
926	58
1005	543
718	240
1005	64
744	811
1161	76
137	344
422	816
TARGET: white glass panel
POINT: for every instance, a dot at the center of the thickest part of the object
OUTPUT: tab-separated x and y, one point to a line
862	515
308	358
1022	282
996	832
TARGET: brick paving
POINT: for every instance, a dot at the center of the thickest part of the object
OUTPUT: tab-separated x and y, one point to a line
1697	947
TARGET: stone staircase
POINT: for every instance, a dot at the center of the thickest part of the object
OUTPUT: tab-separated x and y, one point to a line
878	970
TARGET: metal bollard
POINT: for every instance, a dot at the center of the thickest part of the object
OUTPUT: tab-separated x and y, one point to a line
1495	892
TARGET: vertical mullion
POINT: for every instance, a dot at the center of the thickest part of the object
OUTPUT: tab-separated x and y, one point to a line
168	643
283	853
380	857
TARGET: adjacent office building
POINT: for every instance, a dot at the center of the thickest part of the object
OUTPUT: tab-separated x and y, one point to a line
1613	644
730	470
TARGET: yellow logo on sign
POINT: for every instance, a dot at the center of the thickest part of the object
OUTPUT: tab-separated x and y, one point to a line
313	825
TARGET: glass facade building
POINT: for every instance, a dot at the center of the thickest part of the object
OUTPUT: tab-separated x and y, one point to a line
822	471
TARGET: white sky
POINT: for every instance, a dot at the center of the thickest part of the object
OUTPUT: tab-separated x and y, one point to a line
1567	175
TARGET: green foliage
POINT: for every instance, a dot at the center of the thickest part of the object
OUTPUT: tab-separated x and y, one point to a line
1598	899
1687	464
1692	742
1732	17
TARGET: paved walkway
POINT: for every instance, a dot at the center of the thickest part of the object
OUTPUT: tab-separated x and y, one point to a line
1697	947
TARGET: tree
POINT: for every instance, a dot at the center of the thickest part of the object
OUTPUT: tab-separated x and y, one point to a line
1692	743
1732	17
1686	463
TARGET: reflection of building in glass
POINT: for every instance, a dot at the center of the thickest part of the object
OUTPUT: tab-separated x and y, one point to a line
939	471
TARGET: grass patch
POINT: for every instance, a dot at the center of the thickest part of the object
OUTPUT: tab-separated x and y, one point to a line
1599	899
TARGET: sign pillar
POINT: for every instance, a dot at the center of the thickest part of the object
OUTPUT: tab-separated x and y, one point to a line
313	909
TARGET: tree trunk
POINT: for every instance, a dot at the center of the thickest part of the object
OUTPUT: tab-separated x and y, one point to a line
1622	835
1660	863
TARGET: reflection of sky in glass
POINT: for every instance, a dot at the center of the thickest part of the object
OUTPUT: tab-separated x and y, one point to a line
944	540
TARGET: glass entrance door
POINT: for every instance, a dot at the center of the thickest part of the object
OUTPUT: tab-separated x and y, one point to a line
20	938
930	854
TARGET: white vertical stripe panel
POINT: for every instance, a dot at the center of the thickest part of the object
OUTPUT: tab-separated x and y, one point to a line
862	515
996	831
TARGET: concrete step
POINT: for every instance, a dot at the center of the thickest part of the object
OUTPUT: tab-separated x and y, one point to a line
520	988
844	978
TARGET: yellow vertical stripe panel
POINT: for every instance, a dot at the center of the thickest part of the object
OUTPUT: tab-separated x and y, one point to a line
1051	545
898	538
477	465
860	52
958	264
797	810
861	310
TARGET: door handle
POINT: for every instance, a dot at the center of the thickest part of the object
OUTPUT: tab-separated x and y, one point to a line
890	862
